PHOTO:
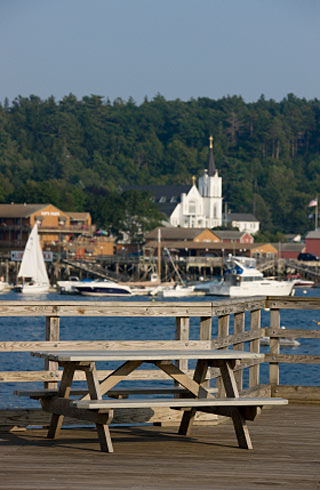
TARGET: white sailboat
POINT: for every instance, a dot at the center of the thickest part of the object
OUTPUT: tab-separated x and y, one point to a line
32	275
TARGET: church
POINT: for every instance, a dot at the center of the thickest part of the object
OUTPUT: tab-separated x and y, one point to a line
198	206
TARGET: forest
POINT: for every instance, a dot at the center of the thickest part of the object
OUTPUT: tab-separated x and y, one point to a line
80	154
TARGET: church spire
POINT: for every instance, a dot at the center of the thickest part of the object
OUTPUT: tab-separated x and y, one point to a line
211	165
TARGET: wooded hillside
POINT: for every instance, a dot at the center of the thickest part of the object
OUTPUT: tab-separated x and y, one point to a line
78	154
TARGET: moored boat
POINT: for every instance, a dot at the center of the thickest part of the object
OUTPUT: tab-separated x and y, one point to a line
241	279
102	288
32	275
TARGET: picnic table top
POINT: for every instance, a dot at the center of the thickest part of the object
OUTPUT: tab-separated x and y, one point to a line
147	355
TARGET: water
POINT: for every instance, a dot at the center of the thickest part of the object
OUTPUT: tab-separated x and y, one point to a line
128	328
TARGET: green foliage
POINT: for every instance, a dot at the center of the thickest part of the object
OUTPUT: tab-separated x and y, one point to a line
267	152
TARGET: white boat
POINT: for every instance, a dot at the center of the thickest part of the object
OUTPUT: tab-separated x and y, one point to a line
32	275
177	291
241	279
102	288
69	287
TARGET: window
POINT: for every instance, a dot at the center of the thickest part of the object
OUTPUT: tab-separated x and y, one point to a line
192	207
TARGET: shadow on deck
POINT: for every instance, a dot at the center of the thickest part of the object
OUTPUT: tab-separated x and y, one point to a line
286	454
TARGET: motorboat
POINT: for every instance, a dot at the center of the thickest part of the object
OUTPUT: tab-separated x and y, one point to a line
176	291
32	276
241	278
100	287
69	287
300	282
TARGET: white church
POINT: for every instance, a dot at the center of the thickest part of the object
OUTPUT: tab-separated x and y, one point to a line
199	206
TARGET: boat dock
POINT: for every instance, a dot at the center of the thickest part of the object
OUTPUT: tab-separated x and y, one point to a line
149	453
286	456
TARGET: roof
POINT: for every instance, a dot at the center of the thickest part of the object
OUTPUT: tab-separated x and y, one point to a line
289	246
313	234
165	196
211	165
181	244
20	210
175	233
241	217
230	234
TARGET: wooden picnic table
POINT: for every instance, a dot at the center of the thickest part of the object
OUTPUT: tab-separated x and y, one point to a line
94	408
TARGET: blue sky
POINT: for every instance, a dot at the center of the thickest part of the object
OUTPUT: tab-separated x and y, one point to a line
178	48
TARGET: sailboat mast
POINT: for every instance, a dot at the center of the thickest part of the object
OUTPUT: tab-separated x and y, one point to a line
159	254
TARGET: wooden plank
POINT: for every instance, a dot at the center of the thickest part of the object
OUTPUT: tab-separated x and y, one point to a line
177	402
238	328
292	333
182	333
120	308
301	394
223	331
255	327
292	303
274	347
62	345
52	334
147	355
292	358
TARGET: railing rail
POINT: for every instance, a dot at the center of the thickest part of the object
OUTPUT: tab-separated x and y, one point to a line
238	326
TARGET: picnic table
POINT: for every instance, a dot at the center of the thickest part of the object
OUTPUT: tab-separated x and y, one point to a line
196	397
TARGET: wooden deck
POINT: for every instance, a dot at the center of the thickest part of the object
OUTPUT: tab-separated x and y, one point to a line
286	455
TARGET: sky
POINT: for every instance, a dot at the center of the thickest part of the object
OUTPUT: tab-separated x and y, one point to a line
181	49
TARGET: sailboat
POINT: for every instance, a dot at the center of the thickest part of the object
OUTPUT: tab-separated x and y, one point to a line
32	275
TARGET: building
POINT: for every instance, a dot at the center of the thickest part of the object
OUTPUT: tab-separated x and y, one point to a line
191	206
233	236
54	225
244	222
197	206
191	242
312	242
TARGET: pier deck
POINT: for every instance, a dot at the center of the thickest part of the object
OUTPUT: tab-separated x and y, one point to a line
286	455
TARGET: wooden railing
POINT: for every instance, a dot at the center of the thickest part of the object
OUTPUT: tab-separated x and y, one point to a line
237	325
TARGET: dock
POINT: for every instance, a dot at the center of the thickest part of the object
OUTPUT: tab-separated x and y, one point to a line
151	455
286	455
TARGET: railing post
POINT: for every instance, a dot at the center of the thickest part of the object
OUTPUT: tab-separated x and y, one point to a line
52	334
182	333
206	334
223	331
254	371
274	348
238	327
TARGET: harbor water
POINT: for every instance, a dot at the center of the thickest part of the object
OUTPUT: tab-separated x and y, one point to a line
131	328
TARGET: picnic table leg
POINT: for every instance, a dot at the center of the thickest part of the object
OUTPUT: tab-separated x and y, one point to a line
95	394
188	416
239	422
64	392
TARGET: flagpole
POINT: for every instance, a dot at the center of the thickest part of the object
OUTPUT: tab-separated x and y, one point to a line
316	215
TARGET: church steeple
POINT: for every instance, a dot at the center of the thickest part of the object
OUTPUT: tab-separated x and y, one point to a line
211	165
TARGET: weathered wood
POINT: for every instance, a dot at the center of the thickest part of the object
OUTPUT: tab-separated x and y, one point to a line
62	345
52	334
182	333
238	328
292	303
255	327
274	347
292	333
223	331
177	402
292	359
286	457
305	394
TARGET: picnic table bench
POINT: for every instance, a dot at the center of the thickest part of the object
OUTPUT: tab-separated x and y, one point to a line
193	393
